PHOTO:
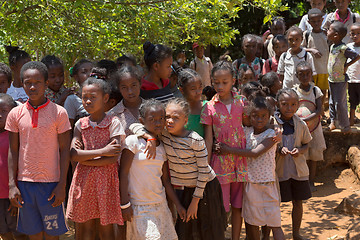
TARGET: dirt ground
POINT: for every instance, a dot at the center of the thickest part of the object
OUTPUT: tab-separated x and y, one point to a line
320	221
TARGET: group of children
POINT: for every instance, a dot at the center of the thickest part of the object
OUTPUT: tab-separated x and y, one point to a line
148	165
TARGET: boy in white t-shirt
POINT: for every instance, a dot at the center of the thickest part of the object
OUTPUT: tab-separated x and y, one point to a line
353	73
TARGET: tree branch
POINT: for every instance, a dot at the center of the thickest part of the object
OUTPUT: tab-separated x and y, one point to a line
23	10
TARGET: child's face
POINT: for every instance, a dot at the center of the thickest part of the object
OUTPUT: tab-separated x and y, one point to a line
175	119
288	105
248	76
34	84
163	69
249	47
56	77
342	5
316	22
354	34
199	51
154	120
332	35
276	87
280	47
223	82
193	90
83	73
4	83
277	28
304	74
129	88
93	99
259	118
319	4
294	40
4	111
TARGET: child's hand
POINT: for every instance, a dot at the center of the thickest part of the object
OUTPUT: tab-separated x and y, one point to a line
216	147
316	53
295	152
182	212
79	145
58	195
127	213
278	132
112	149
15	197
191	212
224	149
284	151
150	149
13	210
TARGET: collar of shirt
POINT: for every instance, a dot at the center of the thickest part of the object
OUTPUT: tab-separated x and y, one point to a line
300	55
147	85
281	121
217	99
337	17
35	116
86	123
120	108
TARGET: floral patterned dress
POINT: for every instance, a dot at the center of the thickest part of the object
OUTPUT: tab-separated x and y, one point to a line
227	129
94	191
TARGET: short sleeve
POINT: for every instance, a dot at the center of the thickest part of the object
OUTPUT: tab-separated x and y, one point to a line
192	64
269	133
77	125
266	67
281	65
318	92
310	60
63	123
350	53
306	134
11	124
132	143
116	129
206	115
69	105
303	21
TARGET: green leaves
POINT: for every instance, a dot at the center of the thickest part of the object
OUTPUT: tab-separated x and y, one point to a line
96	29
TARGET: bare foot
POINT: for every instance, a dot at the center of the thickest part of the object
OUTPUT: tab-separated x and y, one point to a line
299	237
332	126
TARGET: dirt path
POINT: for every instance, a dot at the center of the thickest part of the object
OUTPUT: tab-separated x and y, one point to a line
319	220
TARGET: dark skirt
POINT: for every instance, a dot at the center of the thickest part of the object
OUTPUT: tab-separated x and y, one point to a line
211	222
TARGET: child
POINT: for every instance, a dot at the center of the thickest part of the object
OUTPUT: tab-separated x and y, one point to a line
261	206
39	133
354	73
342	14
277	27
189	169
94	198
280	45
175	70
202	64
8	214
114	98
128	80
5	77
156	84
222	117
307	91
56	92
271	81
248	43
17	58
191	87
147	210
291	168
181	59
315	42
289	60
246	74
305	25
73	104
337	67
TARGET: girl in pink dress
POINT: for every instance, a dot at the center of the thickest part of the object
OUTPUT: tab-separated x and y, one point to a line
94	197
223	119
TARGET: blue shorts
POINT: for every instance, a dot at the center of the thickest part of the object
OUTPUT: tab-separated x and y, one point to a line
37	215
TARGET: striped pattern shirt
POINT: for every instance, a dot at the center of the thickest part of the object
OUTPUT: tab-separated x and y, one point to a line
187	157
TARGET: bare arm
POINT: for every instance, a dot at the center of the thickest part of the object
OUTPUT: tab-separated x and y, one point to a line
351	63
209	140
13	159
59	191
264	146
126	160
